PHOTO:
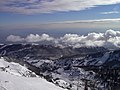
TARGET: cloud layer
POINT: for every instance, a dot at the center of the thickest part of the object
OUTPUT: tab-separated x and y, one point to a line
30	38
49	6
76	24
109	39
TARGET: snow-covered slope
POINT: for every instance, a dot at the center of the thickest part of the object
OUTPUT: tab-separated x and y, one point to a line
15	69
107	59
12	78
12	82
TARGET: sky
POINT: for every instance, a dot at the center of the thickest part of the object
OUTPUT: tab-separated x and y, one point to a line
57	17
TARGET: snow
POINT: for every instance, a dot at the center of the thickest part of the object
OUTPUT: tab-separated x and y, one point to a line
12	82
62	83
105	57
15	68
97	61
11	78
63	77
37	63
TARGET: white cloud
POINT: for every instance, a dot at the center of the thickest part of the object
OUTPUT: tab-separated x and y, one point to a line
92	21
111	12
30	38
49	6
13	38
110	33
109	39
38	38
92	39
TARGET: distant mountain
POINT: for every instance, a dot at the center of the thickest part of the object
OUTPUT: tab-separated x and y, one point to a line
67	66
45	51
107	59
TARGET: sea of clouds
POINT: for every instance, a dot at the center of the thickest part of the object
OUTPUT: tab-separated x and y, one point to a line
109	39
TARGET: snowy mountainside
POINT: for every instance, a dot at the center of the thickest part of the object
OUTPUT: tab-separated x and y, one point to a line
65	76
67	67
73	69
15	69
107	59
13	76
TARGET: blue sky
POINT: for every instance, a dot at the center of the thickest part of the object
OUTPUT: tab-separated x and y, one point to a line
8	18
22	17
